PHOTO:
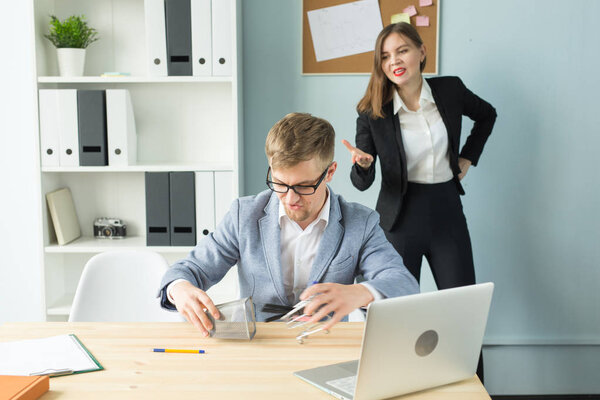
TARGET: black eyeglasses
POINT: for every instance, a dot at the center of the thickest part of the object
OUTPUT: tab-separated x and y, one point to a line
302	190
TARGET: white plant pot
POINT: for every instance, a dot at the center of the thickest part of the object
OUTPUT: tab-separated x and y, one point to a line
70	61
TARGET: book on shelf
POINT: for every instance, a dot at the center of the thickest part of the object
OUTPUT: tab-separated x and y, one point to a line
64	217
114	74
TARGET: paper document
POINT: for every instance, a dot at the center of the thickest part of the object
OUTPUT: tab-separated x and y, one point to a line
46	356
344	30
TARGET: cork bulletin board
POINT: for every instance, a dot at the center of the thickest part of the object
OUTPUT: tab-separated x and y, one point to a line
362	63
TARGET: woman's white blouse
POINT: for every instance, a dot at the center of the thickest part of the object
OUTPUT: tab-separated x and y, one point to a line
425	139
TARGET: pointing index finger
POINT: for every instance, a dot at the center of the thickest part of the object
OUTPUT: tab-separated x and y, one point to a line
348	145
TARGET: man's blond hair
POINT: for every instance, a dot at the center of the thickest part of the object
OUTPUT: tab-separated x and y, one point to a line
299	137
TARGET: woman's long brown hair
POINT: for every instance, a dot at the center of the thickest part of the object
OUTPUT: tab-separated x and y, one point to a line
380	89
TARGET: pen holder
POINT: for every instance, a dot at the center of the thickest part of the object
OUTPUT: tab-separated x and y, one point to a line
237	320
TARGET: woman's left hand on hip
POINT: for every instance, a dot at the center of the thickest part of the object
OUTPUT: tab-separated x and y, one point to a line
464	165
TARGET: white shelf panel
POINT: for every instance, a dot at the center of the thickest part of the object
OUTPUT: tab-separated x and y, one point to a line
135	79
143	168
62	306
93	245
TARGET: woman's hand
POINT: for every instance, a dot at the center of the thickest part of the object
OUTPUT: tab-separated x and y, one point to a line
364	160
464	165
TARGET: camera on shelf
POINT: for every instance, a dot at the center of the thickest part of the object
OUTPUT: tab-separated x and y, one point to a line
109	228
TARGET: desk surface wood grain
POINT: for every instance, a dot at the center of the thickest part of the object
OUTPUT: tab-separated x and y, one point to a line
257	369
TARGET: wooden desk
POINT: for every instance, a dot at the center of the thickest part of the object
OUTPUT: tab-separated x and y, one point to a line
257	369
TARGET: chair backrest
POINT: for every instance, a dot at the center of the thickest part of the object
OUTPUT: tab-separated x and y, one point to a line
121	286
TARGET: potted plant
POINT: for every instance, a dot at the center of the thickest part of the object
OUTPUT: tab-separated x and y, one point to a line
71	37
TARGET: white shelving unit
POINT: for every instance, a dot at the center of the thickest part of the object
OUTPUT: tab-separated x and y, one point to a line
159	167
183	124
135	79
86	244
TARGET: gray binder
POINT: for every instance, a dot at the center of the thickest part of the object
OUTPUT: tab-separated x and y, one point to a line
183	208
158	226
178	24
91	117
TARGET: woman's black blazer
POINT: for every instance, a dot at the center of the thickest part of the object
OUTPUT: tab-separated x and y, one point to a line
382	138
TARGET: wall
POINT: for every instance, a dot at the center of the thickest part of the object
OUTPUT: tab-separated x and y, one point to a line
531	203
21	282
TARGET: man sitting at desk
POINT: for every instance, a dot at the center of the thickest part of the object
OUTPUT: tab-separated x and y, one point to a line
293	235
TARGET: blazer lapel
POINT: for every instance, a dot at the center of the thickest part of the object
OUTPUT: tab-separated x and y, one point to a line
330	240
440	106
397	131
270	239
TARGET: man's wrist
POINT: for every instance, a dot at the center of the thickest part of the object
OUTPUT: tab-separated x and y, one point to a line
376	295
170	288
366	294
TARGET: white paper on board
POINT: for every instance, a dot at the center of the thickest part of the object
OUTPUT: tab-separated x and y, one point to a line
345	30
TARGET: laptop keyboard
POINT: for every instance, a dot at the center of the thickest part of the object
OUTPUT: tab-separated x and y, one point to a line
346	384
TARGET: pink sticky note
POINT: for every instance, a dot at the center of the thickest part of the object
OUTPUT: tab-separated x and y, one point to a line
410	10
425	3
422	20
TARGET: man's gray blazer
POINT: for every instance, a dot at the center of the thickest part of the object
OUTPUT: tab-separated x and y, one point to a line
249	235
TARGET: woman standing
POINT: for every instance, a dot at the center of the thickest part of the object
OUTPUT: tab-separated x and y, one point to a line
414	125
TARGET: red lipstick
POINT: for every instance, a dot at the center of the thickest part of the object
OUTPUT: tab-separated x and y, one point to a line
399	71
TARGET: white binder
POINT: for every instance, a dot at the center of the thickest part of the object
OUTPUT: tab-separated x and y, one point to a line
49	139
156	38
68	128
221	37
201	38
120	126
205	203
223	194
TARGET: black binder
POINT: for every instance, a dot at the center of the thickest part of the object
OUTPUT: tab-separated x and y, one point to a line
91	117
178	24
158	226
183	208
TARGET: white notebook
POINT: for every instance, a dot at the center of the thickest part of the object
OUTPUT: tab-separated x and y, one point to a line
64	218
55	355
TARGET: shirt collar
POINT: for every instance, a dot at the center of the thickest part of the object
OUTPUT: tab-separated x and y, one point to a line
425	95
323	214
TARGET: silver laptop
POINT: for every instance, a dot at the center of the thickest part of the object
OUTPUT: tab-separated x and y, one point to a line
412	343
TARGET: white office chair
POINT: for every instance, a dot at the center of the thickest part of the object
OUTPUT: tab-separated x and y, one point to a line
121	286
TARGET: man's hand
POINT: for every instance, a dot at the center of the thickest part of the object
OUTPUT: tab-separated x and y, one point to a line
191	303
464	165
337	298
364	160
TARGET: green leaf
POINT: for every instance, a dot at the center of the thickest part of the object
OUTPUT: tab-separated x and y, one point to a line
73	32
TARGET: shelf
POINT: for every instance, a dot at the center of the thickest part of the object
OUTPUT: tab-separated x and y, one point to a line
62	306
134	79
93	245
183	124
143	168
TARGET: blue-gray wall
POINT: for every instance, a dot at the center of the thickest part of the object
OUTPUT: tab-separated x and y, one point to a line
532	203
